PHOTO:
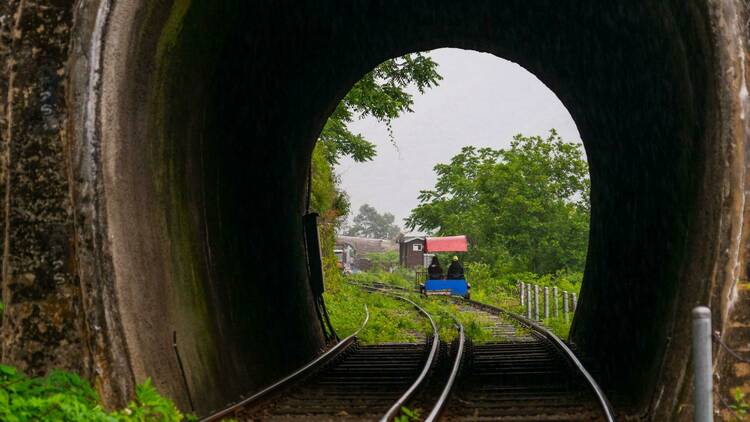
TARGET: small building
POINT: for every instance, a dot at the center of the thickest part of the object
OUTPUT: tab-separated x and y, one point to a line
365	245
411	251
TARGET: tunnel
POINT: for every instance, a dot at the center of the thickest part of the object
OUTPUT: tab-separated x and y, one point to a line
191	126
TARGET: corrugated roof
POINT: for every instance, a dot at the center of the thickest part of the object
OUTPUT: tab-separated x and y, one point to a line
364	245
446	244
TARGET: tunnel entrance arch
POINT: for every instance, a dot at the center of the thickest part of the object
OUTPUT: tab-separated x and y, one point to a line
197	122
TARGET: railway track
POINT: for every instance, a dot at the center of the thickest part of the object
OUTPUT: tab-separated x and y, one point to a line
359	382
364	384
529	377
519	382
533	376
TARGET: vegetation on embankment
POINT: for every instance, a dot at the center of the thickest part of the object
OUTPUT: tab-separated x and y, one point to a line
392	320
504	293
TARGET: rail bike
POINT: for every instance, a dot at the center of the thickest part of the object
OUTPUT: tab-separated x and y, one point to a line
444	285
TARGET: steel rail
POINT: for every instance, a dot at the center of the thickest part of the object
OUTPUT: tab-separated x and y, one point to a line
443	399
555	341
561	347
393	411
377	286
440	404
330	354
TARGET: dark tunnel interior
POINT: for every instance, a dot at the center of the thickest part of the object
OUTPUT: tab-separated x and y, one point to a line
230	96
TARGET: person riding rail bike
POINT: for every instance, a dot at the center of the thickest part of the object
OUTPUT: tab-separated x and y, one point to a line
435	271
455	270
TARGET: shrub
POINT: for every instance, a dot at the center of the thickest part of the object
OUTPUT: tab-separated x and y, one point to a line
64	396
383	260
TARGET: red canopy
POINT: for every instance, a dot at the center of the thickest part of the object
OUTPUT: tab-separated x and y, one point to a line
446	244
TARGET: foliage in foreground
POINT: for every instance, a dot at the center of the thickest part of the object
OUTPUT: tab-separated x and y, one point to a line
63	396
409	415
381	94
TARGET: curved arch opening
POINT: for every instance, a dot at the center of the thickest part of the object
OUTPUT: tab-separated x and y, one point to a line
428	168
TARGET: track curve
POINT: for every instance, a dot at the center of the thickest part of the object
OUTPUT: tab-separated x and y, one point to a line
536	378
342	347
529	377
354	382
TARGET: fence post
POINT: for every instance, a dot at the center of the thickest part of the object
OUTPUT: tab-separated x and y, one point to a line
702	367
546	302
555	298
521	284
575	302
536	302
565	304
528	301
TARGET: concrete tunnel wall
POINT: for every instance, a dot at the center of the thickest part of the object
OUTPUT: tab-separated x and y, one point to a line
203	215
188	136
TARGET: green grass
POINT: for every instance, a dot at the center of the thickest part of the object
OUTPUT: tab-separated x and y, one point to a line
393	320
443	311
398	278
559	325
64	396
506	297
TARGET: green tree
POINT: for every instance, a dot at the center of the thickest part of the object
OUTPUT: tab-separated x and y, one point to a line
382	94
326	198
332	205
369	223
525	208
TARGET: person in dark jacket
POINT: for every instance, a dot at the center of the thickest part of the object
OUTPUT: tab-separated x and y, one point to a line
455	270
435	271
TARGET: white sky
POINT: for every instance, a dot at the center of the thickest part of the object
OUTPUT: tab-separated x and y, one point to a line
482	101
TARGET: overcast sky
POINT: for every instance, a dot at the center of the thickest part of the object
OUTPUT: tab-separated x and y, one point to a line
482	101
